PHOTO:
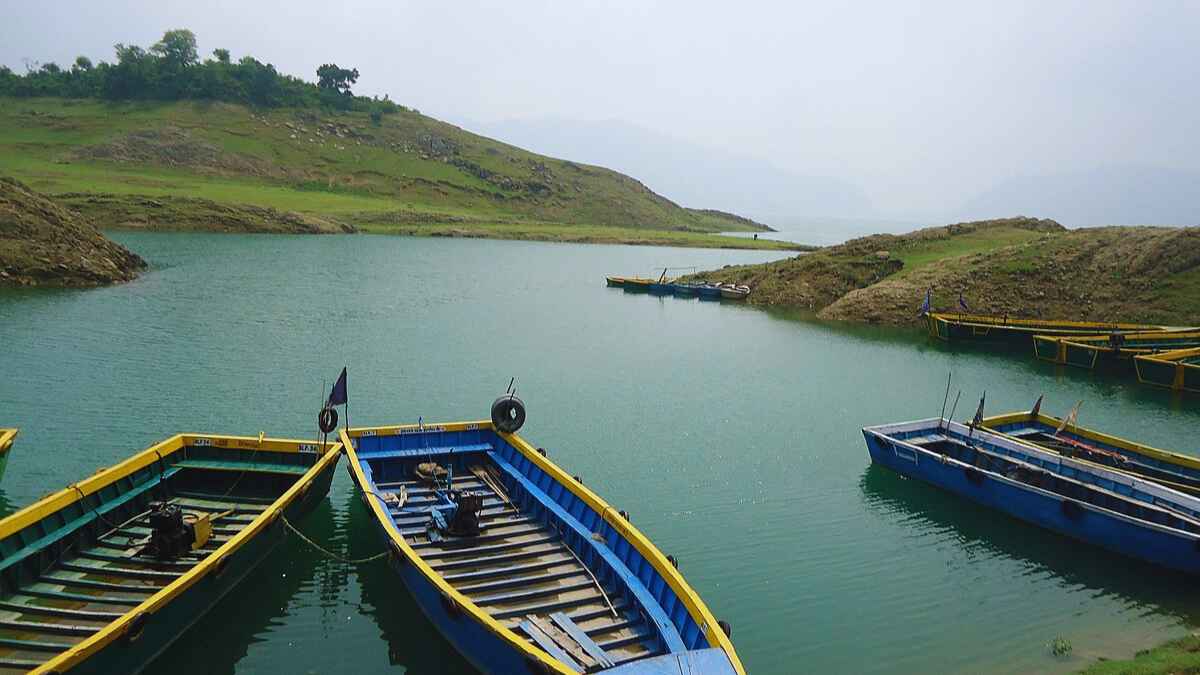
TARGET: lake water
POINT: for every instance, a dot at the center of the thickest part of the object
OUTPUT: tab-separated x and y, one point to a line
730	434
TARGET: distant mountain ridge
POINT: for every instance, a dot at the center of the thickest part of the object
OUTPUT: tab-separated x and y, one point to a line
1113	195
686	172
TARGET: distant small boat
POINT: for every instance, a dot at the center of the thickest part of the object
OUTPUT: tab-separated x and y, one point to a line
1173	469
979	327
521	567
709	291
1090	351
735	292
102	576
614	281
686	290
6	443
1178	370
1095	504
636	284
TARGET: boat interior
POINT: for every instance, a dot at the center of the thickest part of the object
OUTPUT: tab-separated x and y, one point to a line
1073	480
537	558
76	568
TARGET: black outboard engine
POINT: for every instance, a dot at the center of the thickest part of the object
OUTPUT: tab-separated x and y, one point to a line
170	536
465	522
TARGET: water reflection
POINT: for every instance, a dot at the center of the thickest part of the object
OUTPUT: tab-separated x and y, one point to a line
412	641
928	510
261	602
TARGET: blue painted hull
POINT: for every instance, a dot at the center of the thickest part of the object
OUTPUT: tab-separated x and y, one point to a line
709	293
662	289
1097	527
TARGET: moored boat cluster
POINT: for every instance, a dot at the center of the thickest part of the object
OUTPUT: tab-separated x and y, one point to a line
1164	356
682	289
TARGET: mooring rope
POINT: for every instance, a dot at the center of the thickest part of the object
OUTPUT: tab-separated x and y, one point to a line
327	552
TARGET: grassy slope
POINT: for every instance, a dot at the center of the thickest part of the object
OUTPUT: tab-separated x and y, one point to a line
1177	656
1018	267
411	174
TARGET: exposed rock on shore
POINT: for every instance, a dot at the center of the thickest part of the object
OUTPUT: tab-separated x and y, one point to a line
43	243
134	212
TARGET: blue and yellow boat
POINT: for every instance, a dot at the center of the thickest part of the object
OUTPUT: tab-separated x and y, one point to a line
1095	504
102	576
979	327
521	567
1090	351
6	442
686	290
1175	470
1178	370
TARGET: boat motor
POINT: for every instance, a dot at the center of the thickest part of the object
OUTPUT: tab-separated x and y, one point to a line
172	534
465	521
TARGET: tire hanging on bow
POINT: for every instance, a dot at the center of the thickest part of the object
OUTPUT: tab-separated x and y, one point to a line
327	420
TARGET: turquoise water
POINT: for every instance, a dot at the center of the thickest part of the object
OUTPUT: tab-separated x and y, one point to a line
730	434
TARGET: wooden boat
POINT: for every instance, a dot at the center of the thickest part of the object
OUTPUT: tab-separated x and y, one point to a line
1111	509
614	281
6	442
1089	351
979	327
99	578
709	291
1178	370
636	284
556	580
686	290
1175	470
734	292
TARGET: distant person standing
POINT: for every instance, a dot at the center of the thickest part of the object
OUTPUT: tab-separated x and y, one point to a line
756	237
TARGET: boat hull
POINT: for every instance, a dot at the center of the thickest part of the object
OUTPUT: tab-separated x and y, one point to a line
484	628
1019	332
1178	370
1099	528
709	292
67	533
615	282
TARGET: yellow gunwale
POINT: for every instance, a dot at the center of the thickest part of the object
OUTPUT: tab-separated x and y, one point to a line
985	320
53	502
990	423
6	439
695	606
1171	358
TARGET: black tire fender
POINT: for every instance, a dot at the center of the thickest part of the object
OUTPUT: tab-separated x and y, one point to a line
508	413
327	420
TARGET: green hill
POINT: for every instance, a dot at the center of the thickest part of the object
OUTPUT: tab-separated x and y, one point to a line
1015	266
223	166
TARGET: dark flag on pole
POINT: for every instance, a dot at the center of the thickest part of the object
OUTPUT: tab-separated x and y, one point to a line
1037	407
978	420
962	303
337	395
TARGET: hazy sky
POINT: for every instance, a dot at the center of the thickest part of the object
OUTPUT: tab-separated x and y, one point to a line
919	104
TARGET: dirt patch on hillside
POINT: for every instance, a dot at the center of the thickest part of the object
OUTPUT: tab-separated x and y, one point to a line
134	212
176	148
1141	274
42	243
816	280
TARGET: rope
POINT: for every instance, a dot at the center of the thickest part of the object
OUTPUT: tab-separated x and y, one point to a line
327	552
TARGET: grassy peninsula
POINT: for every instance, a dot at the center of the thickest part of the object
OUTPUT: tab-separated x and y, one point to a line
161	139
1015	266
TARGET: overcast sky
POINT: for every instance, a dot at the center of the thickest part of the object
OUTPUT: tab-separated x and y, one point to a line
919	104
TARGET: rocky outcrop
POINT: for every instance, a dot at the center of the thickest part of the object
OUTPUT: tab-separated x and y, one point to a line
135	212
43	243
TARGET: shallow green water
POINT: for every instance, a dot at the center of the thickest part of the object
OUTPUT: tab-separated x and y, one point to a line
730	434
